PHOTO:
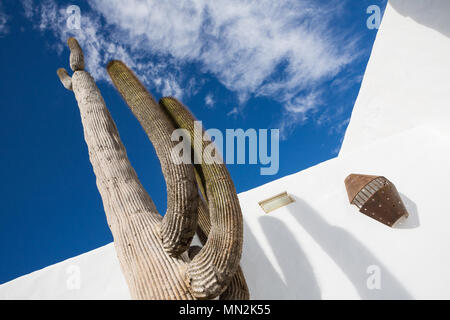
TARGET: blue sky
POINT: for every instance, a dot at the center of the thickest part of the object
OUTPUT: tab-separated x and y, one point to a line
295	65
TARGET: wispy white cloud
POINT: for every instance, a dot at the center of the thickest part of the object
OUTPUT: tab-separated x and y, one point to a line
241	42
209	101
28	8
275	49
100	48
233	112
298	110
345	82
339	127
301	105
4	29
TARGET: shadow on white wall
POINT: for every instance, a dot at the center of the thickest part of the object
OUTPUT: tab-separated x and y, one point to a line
298	273
434	14
413	220
263	280
348	253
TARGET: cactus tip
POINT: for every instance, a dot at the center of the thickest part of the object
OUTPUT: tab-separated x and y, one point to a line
71	42
113	63
76	55
64	78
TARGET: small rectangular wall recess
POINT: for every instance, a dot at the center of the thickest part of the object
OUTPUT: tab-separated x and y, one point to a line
275	202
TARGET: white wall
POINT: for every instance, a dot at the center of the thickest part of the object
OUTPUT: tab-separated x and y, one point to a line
407	78
320	247
92	275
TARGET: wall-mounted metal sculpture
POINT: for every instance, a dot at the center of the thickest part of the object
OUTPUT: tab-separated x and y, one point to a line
376	197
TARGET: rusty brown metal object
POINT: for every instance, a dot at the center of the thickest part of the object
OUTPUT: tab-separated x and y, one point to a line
376	197
355	182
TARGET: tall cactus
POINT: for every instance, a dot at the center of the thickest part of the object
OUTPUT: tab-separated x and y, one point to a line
152	249
211	270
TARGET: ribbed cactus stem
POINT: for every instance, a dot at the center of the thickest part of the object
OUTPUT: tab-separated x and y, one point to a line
133	219
180	221
237	289
211	270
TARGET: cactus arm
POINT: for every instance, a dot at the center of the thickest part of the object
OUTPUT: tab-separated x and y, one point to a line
212	269
237	289
65	79
180	221
132	217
